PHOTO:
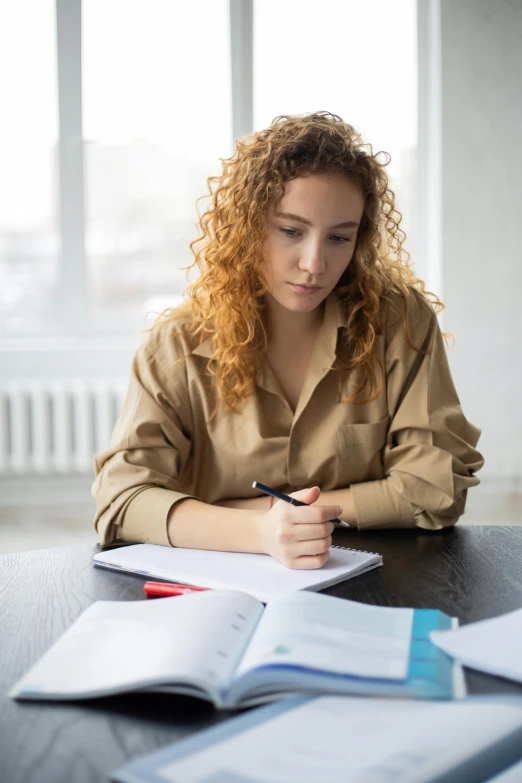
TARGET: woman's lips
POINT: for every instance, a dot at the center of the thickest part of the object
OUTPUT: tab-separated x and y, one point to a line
305	289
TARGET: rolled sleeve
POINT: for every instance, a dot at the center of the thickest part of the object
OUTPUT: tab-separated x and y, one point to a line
139	477
146	517
430	457
377	504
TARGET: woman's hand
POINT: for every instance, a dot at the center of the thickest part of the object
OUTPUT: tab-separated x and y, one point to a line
299	536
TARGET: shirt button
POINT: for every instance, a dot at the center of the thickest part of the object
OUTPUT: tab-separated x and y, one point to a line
295	447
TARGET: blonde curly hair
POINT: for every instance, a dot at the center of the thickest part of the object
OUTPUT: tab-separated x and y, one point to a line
227	301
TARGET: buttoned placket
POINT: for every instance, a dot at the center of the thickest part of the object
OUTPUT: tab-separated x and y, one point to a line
321	361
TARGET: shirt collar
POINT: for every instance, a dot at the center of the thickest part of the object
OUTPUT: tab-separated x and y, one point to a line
333	320
204	349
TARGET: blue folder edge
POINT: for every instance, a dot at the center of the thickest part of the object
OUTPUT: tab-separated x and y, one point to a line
479	769
432	674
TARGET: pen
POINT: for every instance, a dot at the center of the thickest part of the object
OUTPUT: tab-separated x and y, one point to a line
169	588
288	499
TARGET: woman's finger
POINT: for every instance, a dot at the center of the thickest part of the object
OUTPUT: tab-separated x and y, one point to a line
309	515
308	562
318	546
306	532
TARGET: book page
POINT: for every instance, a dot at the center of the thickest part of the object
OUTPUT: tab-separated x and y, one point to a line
345	740
122	645
493	646
333	635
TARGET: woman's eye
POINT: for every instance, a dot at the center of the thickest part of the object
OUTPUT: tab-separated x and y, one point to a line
292	232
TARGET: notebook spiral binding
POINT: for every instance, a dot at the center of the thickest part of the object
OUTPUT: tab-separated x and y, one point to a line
351	549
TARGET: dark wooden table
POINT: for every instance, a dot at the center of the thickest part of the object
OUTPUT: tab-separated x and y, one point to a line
468	572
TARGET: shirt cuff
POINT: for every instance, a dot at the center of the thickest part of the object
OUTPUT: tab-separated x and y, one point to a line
145	519
377	504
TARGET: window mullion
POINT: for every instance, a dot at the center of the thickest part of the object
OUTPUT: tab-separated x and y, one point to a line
242	57
71	198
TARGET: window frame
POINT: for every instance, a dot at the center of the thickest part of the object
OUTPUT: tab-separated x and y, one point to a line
73	330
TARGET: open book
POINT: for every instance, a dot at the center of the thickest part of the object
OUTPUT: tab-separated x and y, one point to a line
227	648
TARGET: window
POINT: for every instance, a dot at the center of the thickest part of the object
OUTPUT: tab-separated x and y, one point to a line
157	114
29	238
357	60
157	118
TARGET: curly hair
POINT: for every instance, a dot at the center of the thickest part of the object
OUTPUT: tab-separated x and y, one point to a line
227	301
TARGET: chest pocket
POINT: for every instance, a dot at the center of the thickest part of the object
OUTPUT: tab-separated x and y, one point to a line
361	449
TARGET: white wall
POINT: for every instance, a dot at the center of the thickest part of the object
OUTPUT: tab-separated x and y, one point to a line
55	357
482	220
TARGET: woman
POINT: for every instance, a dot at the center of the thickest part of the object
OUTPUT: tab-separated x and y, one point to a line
308	358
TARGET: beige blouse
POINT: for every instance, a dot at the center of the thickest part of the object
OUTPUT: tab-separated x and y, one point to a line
409	456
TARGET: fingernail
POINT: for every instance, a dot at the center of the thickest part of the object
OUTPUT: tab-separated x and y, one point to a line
339	511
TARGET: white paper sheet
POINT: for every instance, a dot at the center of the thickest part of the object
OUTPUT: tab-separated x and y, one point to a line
493	646
259	575
351	740
120	644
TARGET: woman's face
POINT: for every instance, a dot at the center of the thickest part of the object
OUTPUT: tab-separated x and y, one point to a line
311	239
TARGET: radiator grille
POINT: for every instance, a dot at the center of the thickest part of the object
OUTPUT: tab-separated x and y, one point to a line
56	426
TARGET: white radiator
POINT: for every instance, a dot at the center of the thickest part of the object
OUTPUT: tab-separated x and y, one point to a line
56	426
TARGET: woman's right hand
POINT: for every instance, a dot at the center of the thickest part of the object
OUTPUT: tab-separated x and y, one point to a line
299	536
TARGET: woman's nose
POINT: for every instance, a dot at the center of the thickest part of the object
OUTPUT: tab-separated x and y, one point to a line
312	260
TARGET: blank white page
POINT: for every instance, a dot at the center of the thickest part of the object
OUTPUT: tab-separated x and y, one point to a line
259	575
493	646
122	645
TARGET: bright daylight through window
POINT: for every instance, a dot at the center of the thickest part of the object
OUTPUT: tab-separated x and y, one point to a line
29	231
157	117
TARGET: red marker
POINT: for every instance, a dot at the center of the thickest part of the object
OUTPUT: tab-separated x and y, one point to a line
168	588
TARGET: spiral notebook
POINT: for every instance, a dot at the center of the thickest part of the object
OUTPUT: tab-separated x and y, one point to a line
259	575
